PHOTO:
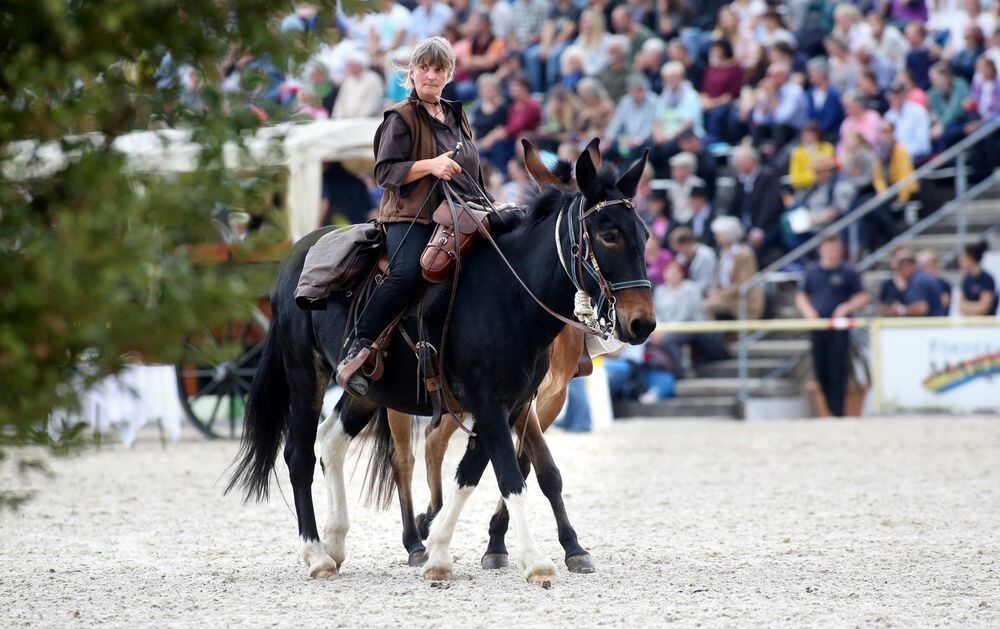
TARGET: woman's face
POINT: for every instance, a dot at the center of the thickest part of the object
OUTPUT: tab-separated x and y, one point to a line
673	275
429	81
727	21
966	263
986	69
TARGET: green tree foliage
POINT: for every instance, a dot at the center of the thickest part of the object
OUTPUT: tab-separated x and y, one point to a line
95	264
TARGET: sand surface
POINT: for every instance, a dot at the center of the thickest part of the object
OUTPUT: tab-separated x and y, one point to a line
871	523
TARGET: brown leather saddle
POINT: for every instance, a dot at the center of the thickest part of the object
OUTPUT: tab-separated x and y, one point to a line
455	235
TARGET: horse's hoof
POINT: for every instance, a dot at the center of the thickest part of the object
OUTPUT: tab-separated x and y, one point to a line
437	574
544	577
423	525
495	561
323	569
417	558
580	564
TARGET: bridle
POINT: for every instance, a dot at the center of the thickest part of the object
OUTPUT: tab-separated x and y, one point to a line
583	261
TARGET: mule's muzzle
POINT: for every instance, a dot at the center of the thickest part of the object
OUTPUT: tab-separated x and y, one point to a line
636	318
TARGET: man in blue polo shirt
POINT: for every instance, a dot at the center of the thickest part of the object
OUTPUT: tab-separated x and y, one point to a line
911	292
831	289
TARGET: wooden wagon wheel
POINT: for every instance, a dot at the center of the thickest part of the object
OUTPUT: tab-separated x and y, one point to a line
213	378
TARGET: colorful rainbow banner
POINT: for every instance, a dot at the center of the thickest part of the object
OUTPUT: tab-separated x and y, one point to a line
954	376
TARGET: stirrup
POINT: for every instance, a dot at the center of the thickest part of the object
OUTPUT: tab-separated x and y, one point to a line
349	371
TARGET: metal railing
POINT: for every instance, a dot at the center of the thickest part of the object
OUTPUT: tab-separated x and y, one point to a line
773	272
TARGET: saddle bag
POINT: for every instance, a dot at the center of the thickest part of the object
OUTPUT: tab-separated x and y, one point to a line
438	257
337	262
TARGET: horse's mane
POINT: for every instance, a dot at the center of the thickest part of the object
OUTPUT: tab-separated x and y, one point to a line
545	202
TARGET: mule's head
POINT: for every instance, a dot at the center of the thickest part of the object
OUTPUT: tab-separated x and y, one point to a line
618	238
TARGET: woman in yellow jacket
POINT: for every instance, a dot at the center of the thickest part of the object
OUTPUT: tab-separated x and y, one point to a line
801	174
894	161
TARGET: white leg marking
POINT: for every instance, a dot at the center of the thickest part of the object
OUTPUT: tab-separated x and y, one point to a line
438	564
317	560
333	449
534	567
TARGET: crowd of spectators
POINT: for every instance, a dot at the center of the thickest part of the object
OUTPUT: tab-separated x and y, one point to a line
817	106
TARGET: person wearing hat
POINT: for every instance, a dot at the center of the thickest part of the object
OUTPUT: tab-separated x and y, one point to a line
631	127
910	292
829	197
702	213
811	148
737	264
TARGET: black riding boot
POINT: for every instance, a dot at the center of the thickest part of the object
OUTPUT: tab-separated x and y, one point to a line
349	374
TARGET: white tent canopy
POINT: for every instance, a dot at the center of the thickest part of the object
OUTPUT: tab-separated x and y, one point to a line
301	148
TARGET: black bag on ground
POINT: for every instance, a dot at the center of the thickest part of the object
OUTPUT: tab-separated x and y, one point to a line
337	262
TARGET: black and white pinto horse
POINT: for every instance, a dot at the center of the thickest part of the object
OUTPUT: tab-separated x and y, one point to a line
496	355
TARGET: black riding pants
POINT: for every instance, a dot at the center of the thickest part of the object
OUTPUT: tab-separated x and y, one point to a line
401	287
830	355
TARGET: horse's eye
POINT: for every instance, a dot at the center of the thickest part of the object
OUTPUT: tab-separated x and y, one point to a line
610	237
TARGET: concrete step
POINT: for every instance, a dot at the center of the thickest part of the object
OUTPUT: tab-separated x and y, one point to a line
776	348
679	408
729	387
729	368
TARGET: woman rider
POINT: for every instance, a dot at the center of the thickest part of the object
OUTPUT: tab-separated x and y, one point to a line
414	148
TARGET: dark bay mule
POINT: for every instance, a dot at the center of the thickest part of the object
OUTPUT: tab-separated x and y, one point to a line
496	356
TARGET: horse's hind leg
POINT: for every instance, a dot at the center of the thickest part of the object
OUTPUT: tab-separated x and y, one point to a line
400	425
306	386
335	435
435	446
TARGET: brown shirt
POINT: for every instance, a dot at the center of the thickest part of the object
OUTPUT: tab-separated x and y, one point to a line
395	155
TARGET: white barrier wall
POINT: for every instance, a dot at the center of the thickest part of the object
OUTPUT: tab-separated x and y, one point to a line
937	368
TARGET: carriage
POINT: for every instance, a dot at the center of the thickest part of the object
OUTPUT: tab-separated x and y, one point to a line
214	375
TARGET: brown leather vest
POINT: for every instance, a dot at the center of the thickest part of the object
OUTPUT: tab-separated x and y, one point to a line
395	208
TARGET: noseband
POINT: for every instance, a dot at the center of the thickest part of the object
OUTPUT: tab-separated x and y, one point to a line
584	260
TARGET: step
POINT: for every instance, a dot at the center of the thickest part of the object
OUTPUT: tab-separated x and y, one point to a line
775	348
729	387
729	368
678	408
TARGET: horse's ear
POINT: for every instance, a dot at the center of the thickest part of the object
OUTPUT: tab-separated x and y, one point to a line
586	176
536	167
629	182
594	148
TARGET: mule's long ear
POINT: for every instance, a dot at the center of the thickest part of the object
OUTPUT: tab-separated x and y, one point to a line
586	176
594	148
629	182
536	167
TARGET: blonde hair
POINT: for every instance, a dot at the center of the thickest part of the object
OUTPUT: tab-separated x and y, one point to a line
434	51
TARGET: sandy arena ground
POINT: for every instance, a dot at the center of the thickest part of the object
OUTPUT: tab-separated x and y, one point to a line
871	523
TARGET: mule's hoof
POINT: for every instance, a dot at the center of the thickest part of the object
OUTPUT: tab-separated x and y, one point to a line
423	525
323	569
495	561
417	558
580	564
437	574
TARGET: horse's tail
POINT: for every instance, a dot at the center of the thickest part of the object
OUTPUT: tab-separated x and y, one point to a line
265	423
380	480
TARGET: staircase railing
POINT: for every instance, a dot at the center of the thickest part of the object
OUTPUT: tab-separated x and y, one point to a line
851	220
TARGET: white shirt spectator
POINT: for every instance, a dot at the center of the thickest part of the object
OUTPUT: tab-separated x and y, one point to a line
680	304
360	96
429	21
913	128
701	269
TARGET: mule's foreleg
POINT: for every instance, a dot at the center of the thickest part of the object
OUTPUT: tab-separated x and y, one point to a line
496	555
470	471
400	425
500	445
550	482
